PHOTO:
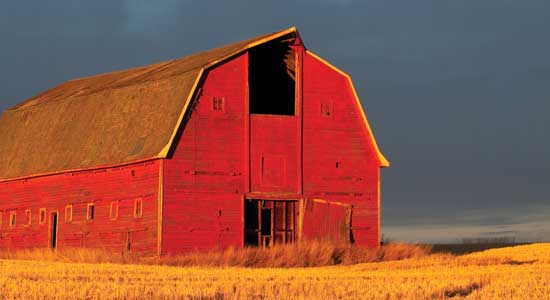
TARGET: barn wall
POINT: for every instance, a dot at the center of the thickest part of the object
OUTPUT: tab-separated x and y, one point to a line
202	221
122	185
274	159
340	163
205	177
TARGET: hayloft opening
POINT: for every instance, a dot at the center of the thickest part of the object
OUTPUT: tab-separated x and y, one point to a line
272	78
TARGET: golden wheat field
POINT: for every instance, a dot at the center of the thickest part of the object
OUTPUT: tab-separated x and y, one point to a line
521	272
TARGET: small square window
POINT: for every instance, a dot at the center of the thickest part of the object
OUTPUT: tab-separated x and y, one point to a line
138	208
113	212
218	103
326	109
69	213
13	216
90	214
42	218
28	217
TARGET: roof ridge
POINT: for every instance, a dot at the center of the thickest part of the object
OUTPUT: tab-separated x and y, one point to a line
165	62
120	71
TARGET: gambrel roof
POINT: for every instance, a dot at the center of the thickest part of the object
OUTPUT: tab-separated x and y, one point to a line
108	119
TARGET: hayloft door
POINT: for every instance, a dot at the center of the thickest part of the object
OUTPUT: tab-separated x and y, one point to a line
53	230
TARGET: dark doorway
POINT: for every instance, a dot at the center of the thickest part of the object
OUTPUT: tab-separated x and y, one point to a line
272	78
251	225
269	222
53	231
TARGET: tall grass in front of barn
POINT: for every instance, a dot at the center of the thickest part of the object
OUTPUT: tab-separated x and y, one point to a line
512	273
311	254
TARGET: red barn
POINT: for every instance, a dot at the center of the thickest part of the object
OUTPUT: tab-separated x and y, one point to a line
255	143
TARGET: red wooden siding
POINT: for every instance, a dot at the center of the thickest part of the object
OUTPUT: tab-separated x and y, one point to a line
101	187
202	221
274	144
325	220
206	173
223	151
340	163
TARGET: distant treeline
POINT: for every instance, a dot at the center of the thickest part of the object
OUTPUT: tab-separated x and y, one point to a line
490	240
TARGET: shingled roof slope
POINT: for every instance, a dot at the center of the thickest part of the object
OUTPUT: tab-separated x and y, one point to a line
108	119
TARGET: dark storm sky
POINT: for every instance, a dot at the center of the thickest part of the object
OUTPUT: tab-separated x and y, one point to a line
457	92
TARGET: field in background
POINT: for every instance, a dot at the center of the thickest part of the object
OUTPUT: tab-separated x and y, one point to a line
521	272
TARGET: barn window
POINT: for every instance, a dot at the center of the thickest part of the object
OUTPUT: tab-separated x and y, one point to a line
28	217
90	214
113	211
42	217
271	78
13	216
69	213
138	208
218	104
1	218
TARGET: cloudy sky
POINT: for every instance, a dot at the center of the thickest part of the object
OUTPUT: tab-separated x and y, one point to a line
456	91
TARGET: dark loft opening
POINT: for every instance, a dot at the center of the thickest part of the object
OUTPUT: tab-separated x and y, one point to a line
271	78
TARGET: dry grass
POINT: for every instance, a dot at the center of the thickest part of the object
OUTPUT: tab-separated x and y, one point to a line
72	255
512	273
315	254
298	255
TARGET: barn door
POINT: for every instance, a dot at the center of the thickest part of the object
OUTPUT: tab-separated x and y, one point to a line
53	230
326	220
269	222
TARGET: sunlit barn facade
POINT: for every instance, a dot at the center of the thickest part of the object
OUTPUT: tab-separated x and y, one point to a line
255	143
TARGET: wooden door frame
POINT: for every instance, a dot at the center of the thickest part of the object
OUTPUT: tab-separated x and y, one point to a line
298	203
